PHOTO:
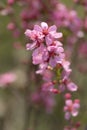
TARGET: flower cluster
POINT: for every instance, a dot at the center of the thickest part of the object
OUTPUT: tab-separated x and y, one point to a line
74	27
48	53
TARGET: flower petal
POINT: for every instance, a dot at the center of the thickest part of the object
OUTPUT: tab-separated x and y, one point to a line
28	32
52	28
48	41
58	35
68	102
67	115
37	28
72	87
30	46
74	112
44	25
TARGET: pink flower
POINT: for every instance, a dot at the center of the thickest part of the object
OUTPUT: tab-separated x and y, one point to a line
11	26
40	55
66	65
7	78
56	53
45	29
34	35
48	32
71	108
67	96
47	75
72	87
42	68
31	46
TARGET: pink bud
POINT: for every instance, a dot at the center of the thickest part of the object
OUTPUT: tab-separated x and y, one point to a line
78	124
11	26
67	96
55	91
77	101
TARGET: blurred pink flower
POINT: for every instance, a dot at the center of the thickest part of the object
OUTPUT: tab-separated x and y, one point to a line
11	26
10	2
72	86
7	78
71	108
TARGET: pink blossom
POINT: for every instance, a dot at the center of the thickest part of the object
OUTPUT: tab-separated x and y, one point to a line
11	26
7	78
34	35
48	32
42	68
40	55
71	108
67	96
72	87
11	2
56	53
47	75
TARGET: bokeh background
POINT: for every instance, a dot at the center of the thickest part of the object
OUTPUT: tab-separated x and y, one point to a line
17	111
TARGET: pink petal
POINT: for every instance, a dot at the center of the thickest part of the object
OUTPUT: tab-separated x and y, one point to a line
58	35
76	105
66	65
37	28
59	50
67	115
48	41
65	108
52	62
74	112
52	28
68	102
43	66
44	25
39	72
51	48
72	87
37	59
38	55
27	32
58	43
30	46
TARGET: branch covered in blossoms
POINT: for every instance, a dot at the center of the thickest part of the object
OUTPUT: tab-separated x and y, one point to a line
48	53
